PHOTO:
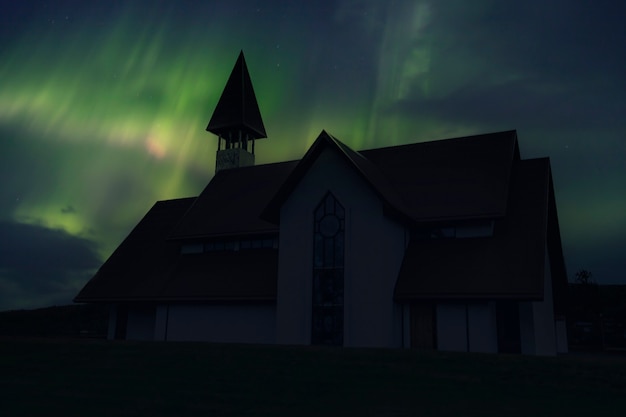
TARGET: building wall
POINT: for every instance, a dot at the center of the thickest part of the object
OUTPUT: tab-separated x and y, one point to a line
561	336
222	323
537	322
140	324
451	327
373	254
545	335
406	325
527	327
483	327
112	322
467	327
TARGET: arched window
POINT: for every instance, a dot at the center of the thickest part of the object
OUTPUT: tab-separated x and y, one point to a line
328	261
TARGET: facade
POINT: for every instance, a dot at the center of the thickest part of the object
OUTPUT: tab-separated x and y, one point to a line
451	245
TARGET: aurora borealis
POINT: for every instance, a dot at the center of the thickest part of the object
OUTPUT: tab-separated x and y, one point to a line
103	106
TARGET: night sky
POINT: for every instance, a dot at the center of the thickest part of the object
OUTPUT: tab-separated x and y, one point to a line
103	106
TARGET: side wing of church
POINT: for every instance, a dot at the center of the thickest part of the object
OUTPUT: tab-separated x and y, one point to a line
449	245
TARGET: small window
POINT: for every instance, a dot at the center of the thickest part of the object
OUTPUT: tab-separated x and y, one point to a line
458	230
191	248
231	245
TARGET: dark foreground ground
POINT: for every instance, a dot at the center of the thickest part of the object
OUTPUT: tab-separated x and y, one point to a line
60	377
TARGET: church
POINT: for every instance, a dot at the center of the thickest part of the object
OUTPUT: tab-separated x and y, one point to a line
449	245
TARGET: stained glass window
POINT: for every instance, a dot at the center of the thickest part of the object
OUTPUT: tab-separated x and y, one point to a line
328	262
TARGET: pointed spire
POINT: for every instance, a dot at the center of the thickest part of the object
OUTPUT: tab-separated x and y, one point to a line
237	112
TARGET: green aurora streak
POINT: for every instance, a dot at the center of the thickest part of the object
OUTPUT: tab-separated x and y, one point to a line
113	111
127	104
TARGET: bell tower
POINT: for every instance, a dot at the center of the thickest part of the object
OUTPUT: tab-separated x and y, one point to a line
236	120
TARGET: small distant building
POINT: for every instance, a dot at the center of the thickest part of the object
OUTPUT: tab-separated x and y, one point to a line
450	245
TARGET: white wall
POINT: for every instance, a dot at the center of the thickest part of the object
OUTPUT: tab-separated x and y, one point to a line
538	327
461	326
140	325
161	322
545	336
374	251
451	327
561	336
406	325
483	333
223	323
527	327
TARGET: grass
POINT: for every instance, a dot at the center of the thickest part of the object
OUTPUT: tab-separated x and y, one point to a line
99	378
90	320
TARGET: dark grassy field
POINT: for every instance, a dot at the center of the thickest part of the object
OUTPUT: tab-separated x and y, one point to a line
97	378
86	320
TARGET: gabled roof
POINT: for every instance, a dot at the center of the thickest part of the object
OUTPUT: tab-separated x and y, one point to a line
555	252
464	178
143	259
460	178
368	171
448	179
232	202
247	274
237	109
146	267
430	181
511	264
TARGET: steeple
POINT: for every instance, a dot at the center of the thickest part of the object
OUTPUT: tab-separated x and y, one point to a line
237	120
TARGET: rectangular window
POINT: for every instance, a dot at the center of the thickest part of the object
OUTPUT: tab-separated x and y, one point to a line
191	248
457	230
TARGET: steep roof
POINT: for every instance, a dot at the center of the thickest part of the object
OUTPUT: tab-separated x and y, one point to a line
232	202
142	261
424	183
365	168
430	181
248	274
147	267
510	264
237	108
466	177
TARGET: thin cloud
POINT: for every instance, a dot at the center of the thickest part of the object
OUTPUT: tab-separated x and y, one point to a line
39	266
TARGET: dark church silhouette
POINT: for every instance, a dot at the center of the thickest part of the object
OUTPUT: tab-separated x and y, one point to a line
450	245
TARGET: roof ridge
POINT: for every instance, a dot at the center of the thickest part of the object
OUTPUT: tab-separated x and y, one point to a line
366	168
433	141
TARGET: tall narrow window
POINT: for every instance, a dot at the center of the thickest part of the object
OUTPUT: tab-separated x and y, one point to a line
328	254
